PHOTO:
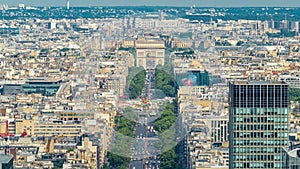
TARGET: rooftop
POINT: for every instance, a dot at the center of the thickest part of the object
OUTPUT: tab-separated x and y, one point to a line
43	80
5	158
259	83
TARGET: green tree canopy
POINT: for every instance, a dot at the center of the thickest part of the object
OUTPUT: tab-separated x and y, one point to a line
136	81
294	94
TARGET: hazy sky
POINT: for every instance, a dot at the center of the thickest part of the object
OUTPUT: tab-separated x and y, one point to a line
211	3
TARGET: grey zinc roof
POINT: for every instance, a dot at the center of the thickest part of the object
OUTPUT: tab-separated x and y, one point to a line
5	158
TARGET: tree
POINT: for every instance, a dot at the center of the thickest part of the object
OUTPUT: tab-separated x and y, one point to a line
218	43
105	166
130	114
169	159
166	118
169	90
135	81
164	81
239	43
125	126
116	161
294	94
58	163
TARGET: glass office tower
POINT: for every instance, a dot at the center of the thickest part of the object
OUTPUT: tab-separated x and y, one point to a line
258	124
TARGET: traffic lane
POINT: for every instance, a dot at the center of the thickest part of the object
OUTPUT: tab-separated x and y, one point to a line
152	164
141	131
138	150
138	164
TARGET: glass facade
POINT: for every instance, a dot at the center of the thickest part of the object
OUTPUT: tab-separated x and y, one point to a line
193	78
46	88
258	125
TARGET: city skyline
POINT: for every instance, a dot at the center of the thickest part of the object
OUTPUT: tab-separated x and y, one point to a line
149	87
204	3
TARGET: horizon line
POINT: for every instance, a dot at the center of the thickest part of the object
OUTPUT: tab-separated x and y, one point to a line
161	6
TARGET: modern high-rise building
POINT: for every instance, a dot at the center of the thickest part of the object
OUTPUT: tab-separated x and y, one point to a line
193	78
258	124
68	4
